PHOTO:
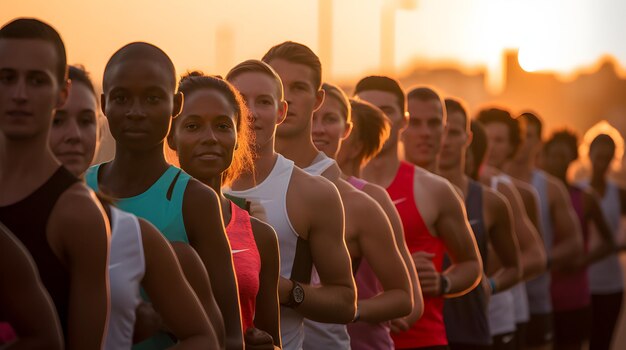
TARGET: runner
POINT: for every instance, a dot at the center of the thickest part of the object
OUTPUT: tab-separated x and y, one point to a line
54	216
605	277
433	220
212	139
570	288
306	237
334	121
491	218
139	256
139	100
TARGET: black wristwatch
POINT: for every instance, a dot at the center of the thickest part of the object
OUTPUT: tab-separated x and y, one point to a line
296	295
444	284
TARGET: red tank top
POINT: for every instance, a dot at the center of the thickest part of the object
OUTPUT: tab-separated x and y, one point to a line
429	330
570	291
246	260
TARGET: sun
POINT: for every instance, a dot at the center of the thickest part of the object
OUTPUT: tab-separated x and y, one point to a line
528	60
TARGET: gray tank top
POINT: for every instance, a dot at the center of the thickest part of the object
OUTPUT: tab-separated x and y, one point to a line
466	316
538	289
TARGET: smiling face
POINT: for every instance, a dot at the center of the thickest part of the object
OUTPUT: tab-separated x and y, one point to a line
205	134
139	102
329	127
422	136
303	98
29	89
74	134
260	92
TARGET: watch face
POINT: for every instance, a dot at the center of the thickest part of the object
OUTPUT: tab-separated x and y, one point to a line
298	294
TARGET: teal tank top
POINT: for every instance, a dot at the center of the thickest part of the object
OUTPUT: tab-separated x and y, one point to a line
161	205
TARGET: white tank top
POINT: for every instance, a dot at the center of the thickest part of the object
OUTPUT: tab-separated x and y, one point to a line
319	165
605	276
501	313
126	270
317	335
272	195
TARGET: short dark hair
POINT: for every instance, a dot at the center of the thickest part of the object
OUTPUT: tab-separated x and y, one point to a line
602	139
78	74
532	119
454	105
243	155
382	83
478	147
256	66
297	53
497	115
565	136
371	127
143	51
31	28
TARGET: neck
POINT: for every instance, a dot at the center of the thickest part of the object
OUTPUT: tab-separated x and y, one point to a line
351	168
559	174
133	165
455	175
520	168
431	166
265	158
299	148
383	168
26	157
598	180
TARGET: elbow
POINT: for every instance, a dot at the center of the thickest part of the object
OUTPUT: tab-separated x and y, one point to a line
405	306
349	307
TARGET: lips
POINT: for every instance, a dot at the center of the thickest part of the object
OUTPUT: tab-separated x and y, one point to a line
208	155
19	113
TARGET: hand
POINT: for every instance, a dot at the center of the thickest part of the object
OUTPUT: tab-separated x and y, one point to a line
256	339
148	322
427	273
399	325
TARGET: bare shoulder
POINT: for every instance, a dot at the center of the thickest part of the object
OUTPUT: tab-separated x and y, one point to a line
377	192
555	186
437	186
199	193
313	190
151	237
76	209
264	234
494	199
526	190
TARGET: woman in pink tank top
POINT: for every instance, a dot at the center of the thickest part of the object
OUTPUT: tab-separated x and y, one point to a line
211	138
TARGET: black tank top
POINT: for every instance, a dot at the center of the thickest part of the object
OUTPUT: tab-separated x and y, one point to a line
27	220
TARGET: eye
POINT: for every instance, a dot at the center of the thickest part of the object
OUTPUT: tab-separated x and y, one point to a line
37	80
56	121
87	120
191	126
153	99
225	126
120	99
7	77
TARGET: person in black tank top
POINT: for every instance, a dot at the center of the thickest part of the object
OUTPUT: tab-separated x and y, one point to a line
466	319
55	218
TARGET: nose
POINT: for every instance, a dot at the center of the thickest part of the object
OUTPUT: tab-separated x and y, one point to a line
19	93
136	110
73	134
208	136
317	128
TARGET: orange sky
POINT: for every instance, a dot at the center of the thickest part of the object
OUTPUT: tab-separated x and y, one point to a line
558	35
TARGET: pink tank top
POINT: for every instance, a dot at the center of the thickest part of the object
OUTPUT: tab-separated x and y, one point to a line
429	330
570	291
247	262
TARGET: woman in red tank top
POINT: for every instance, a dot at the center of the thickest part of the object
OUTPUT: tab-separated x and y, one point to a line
211	138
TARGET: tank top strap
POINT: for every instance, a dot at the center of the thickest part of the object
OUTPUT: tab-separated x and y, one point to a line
357	183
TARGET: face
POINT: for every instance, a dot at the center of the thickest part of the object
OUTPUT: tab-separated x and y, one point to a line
205	134
531	142
422	136
29	90
455	142
139	104
558	158
74	133
389	104
499	147
329	127
260	92
303	98
601	156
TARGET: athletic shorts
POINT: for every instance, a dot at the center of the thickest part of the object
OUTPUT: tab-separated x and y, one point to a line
504	341
540	330
572	326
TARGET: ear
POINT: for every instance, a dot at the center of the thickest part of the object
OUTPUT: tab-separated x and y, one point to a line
179	100
347	130
63	93
282	111
103	103
319	99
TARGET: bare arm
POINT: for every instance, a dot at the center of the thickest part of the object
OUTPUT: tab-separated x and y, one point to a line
382	197
568	238
378	247
532	251
504	242
335	300
171	295
595	214
266	315
205	228
78	228
452	226
25	303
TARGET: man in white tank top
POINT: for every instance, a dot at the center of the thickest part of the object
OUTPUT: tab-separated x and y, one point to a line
309	229
559	225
